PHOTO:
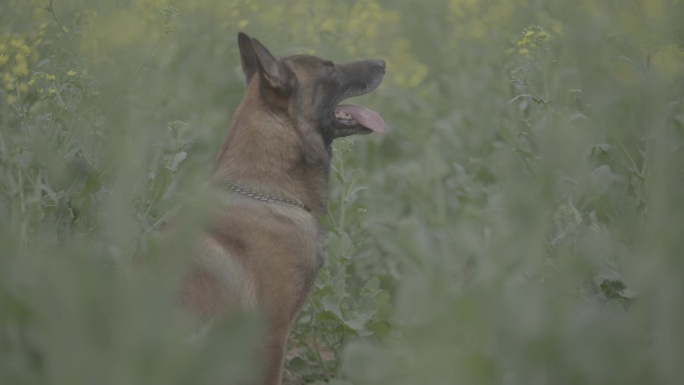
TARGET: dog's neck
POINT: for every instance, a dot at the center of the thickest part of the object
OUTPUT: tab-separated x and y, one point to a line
265	151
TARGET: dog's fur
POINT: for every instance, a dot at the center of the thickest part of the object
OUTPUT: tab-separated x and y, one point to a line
260	255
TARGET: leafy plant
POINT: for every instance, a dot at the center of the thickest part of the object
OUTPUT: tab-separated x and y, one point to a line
348	301
519	223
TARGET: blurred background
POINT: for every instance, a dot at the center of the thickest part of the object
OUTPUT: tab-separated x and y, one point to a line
521	222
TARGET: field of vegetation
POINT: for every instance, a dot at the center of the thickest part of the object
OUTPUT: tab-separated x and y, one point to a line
520	223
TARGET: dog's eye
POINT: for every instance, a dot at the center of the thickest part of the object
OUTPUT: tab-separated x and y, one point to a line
330	65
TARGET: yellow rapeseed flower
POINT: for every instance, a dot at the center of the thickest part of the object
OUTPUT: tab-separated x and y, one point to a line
670	61
327	25
3	59
543	35
20	58
20	70
23	87
71	73
52	90
51	77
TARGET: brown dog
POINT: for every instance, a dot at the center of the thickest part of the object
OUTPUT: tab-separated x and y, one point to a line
264	247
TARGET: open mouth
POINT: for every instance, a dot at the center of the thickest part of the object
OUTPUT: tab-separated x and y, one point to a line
352	116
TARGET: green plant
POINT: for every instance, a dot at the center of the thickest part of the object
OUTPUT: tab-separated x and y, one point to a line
520	222
347	301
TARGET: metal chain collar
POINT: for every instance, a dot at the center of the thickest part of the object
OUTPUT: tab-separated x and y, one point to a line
264	197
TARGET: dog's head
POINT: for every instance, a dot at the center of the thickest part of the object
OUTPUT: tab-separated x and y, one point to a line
310	89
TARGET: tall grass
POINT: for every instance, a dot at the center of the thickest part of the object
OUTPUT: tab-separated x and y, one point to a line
520	223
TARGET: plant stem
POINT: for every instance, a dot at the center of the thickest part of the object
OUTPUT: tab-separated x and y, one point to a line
319	359
149	56
51	9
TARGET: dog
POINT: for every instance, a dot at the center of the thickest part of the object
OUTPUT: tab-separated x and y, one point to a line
263	248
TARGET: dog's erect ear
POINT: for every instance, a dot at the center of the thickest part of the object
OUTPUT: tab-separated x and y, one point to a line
248	57
254	58
272	70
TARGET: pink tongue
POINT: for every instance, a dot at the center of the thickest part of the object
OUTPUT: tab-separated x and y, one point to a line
365	117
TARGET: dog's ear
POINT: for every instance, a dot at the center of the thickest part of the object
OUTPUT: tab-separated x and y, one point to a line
248	57
271	69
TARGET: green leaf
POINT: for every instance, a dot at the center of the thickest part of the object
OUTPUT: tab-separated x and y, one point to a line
177	159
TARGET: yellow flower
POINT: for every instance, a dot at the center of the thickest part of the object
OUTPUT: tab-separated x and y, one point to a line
51	77
670	61
19	58
3	59
543	35
20	70
52	90
23	87
71	73
327	25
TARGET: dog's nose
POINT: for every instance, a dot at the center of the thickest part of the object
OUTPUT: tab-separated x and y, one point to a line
380	63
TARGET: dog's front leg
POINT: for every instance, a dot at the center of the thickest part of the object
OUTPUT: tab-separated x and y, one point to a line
274	353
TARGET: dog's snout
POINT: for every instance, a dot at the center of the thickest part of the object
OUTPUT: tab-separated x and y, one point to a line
380	64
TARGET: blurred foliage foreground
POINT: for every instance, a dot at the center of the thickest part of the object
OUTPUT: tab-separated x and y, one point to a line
521	223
